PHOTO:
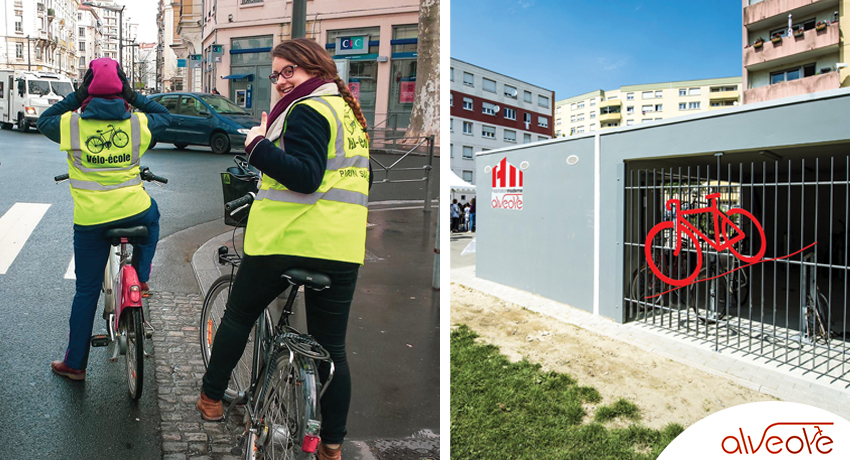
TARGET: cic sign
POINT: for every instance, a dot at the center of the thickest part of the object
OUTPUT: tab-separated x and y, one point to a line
352	45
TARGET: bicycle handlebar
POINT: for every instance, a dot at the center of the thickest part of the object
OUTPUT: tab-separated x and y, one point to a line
145	174
234	206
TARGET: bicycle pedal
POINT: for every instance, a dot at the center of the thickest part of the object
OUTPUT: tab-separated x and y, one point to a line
99	340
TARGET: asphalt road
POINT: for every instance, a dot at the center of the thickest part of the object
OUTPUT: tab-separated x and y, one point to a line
44	416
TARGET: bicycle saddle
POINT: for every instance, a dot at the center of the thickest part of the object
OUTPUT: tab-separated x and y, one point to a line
313	280
133	232
100	130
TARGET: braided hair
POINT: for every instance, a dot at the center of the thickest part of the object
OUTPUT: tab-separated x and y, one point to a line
310	56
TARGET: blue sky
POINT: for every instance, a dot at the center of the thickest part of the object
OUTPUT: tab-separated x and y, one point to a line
576	46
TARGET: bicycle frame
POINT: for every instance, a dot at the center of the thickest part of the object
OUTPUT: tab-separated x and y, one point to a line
719	217
121	286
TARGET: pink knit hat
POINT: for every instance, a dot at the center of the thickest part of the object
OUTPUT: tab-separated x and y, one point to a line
105	81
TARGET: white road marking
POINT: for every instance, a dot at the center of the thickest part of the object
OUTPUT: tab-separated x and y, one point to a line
16	226
70	274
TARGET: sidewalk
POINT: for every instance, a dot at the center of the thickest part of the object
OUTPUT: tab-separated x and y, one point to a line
756	373
393	348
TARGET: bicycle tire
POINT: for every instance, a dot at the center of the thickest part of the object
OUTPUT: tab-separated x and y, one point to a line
133	329
290	402
94	144
645	284
725	297
743	244
815	319
682	277
212	312
121	136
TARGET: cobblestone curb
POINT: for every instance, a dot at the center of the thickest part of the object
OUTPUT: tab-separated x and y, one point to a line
179	369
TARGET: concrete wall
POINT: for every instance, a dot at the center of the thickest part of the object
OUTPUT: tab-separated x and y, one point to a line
547	248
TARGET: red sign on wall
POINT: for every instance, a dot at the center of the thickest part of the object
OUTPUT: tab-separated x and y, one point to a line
507	186
407	92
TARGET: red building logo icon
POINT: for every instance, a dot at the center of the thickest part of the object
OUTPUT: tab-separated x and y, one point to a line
507	185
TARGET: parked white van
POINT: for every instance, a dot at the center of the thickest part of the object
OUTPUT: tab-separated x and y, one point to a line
24	95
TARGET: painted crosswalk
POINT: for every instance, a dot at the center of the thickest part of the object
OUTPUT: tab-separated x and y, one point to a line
16	226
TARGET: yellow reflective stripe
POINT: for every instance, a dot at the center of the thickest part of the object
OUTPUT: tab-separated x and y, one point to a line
76	153
339	195
90	185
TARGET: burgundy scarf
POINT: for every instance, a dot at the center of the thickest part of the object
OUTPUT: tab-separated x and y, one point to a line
304	89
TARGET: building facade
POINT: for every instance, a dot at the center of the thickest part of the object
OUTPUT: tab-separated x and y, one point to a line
186	30
374	44
793	47
635	104
89	38
490	110
168	15
39	35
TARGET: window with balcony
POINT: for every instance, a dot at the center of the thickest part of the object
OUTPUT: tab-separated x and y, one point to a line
488	132
467	103
793	73
723	89
609	110
488	85
468	79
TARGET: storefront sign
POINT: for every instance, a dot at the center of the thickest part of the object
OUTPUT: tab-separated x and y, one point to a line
407	91
196	61
216	50
507	186
181	63
352	45
354	87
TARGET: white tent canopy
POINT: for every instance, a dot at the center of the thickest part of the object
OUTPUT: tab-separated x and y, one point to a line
459	185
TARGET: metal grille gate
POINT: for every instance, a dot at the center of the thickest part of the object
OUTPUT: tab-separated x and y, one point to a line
696	260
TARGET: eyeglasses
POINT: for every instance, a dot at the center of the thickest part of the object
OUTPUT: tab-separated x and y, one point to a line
286	72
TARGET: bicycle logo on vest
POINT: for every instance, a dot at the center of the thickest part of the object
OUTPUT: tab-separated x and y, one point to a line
685	236
114	135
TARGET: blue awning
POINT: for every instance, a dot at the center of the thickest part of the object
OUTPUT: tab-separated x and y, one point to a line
240	76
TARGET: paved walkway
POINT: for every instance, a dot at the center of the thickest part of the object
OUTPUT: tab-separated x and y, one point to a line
393	349
787	384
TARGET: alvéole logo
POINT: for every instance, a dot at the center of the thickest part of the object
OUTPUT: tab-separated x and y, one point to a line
774	429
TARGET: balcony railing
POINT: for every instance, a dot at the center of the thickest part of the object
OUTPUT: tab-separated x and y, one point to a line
769	11
812	42
806	85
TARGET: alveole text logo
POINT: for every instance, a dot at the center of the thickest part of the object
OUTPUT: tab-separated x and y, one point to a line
806	438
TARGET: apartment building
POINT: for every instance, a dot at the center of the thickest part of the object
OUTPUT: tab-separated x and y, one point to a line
39	35
793	47
89	38
186	41
635	104
490	110
168	15
373	42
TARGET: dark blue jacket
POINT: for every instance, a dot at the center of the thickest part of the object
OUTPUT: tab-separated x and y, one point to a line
102	109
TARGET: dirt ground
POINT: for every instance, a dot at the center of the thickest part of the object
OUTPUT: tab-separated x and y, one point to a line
664	390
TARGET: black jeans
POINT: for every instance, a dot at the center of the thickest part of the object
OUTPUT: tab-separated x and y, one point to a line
257	283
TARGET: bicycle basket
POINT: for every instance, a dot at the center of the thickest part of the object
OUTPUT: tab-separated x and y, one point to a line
236	182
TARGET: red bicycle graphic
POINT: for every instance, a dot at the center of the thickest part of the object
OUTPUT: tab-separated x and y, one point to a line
726	235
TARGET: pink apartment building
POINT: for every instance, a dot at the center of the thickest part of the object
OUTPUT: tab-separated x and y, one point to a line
373	42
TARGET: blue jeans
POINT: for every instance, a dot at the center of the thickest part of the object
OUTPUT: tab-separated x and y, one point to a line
91	252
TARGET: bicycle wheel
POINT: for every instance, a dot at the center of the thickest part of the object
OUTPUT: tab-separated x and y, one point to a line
132	330
752	247
94	144
212	312
645	288
290	403
120	139
672	269
720	295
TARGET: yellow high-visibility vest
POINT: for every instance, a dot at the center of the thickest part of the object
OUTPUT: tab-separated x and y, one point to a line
103	166
330	223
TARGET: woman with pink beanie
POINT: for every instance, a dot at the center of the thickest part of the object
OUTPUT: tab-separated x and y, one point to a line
103	197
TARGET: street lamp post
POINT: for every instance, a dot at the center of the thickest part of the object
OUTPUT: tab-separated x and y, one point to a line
29	54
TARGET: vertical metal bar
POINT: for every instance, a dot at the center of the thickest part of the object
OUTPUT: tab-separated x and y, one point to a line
802	258
775	296
829	288
788	264
430	170
680	293
644	198
654	189
815	268
844	263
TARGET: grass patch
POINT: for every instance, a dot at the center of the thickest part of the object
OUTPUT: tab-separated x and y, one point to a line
621	408
504	410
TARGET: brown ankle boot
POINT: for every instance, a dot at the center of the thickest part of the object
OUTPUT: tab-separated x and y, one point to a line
326	453
211	410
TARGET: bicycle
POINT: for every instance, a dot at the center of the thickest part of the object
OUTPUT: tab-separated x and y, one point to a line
814	309
726	234
126	326
277	381
118	138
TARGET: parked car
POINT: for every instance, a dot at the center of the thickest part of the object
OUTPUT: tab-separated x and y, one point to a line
204	119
